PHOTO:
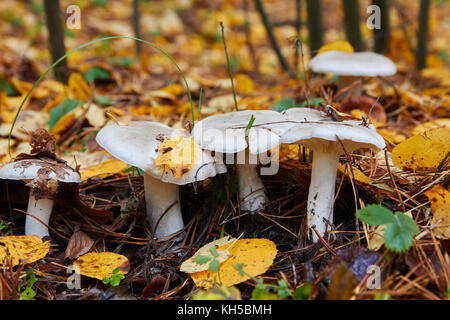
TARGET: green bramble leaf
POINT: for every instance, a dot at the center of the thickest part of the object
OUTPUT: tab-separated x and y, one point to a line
214	252
375	215
400	228
114	279
406	223
214	266
201	259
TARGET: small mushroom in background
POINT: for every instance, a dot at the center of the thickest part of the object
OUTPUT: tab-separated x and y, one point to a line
169	158
352	66
44	171
229	134
45	175
328	139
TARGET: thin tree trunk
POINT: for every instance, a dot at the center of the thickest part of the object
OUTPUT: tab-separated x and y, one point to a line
315	27
381	36
298	26
137	26
53	19
351	22
248	39
422	34
284	64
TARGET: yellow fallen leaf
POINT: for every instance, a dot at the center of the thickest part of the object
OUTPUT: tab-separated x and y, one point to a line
423	151
54	102
107	167
376	240
438	196
344	46
256	256
22	249
63	124
218	293
100	265
441	222
439	123
174	89
244	84
178	155
191	266
78	88
288	151
392	135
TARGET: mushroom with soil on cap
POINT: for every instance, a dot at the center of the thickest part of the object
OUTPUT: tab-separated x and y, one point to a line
351	66
328	139
231	133
45	174
169	158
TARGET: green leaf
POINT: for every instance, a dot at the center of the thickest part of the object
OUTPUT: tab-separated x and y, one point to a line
288	103
214	266
283	104
376	215
8	88
263	294
121	61
400	228
100	3
58	112
103	100
201	259
214	252
96	73
303	292
395	239
406	223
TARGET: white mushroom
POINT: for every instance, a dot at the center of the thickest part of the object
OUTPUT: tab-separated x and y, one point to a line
141	144
226	133
44	176
325	137
349	66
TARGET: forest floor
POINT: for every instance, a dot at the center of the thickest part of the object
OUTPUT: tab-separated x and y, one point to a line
113	84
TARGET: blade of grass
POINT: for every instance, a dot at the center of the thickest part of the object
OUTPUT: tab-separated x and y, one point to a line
229	66
249	125
81	47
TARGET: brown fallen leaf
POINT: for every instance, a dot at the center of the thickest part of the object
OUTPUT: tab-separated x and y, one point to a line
79	244
154	285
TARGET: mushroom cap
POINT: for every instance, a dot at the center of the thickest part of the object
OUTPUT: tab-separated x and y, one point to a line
353	64
225	133
320	132
137	144
29	169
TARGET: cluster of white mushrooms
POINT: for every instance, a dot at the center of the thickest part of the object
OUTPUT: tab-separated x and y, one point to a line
220	138
240	138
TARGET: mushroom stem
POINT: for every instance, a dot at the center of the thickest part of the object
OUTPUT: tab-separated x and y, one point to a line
321	191
250	186
162	198
42	210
